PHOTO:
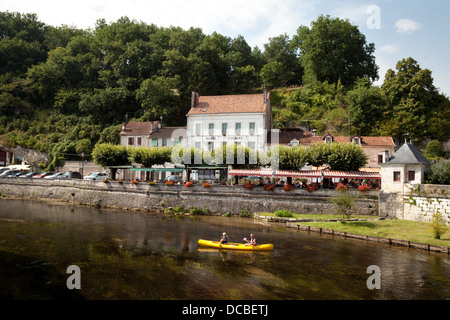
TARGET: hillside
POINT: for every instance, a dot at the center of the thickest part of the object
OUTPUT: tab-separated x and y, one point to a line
63	90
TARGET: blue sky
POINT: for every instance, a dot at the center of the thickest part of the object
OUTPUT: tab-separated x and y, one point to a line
399	28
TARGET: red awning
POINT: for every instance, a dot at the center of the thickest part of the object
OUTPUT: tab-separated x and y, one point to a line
351	175
305	174
296	174
251	172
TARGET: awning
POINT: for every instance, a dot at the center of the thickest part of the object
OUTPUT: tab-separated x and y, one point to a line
297	174
251	172
351	174
306	174
158	169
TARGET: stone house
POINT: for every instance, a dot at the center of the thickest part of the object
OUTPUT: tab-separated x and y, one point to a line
150	134
406	166
243	119
377	149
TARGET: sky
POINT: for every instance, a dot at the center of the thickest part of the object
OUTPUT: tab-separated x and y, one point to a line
398	28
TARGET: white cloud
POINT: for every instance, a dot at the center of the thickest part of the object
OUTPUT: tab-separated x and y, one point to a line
389	49
407	26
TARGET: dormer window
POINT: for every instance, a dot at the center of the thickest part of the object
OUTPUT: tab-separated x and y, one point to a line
328	139
356	140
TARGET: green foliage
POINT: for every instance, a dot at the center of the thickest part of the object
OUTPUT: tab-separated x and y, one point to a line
334	50
283	213
438	225
150	156
440	172
107	154
344	202
434	150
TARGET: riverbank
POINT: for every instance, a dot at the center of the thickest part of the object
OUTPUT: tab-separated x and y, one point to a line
217	200
411	234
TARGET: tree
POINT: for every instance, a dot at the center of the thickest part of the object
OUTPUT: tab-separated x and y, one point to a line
333	50
434	150
413	102
282	67
107	154
344	202
365	104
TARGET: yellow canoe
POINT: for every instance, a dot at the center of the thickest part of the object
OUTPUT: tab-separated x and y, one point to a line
235	246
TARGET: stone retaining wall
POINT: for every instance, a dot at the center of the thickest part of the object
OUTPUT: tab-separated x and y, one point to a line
218	199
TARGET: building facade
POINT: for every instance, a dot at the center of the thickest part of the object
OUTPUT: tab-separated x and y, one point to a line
150	134
377	149
217	121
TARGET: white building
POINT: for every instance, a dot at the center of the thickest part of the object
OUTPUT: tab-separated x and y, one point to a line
406	166
214	121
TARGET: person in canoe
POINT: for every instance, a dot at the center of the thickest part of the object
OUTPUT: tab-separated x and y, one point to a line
252	241
224	239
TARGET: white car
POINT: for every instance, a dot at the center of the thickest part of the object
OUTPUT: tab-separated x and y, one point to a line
96	176
54	176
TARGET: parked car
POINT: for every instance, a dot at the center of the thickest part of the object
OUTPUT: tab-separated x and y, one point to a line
28	175
96	176
174	178
42	175
19	174
70	175
9	173
53	176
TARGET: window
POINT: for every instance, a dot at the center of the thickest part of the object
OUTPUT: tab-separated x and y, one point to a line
211	129
396	175
411	175
164	142
176	141
224	128
238	128
380	158
131	141
139	141
252	128
328	140
357	141
198	145
198	129
251	145
210	146
154	142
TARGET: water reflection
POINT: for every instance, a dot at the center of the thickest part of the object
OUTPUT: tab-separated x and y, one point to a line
128	255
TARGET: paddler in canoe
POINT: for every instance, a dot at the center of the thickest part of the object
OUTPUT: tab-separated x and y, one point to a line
251	242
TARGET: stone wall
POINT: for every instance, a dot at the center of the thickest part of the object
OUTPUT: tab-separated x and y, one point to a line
422	201
417	202
217	199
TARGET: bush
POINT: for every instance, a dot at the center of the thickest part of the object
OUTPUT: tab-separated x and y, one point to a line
284	213
188	184
288	187
438	224
269	187
440	173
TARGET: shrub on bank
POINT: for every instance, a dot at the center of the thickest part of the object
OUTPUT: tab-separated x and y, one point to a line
283	213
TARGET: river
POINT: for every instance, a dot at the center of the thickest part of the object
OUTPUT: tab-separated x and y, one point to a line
133	255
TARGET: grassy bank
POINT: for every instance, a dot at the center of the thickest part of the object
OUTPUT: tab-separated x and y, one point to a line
395	229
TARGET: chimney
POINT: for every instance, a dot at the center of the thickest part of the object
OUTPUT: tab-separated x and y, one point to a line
124	127
194	99
386	156
314	131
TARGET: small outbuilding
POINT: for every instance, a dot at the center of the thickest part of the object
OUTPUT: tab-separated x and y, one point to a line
406	165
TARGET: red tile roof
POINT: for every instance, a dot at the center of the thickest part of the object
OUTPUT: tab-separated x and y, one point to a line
230	104
138	128
307	138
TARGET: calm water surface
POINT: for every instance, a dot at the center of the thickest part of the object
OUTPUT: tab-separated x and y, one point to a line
128	255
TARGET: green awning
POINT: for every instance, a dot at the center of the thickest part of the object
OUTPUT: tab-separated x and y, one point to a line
158	169
168	170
